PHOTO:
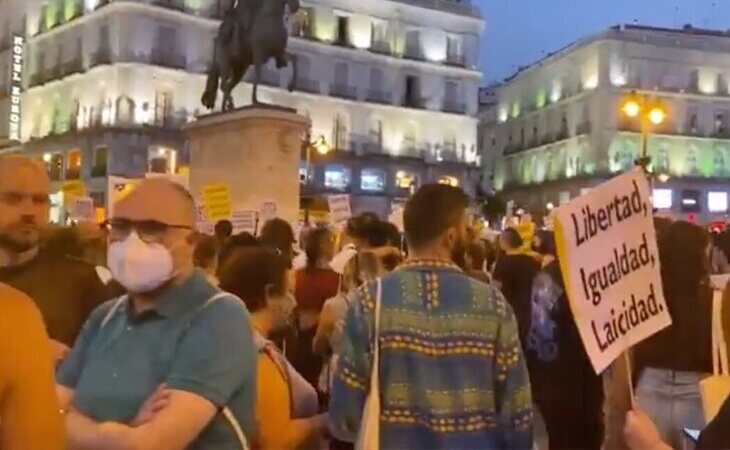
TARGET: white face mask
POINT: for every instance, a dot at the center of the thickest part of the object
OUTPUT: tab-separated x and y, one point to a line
138	266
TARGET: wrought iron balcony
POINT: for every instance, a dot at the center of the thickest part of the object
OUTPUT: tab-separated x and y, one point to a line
343	91
378	96
306	85
172	60
451	106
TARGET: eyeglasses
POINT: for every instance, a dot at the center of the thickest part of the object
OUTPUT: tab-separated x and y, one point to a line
148	230
16	198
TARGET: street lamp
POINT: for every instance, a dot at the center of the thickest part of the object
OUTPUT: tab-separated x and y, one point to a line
650	113
319	145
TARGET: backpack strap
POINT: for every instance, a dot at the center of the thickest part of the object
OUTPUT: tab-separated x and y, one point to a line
117	304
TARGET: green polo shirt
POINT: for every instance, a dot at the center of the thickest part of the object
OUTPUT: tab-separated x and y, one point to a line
187	342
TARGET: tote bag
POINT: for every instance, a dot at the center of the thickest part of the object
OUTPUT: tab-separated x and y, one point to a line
369	436
715	389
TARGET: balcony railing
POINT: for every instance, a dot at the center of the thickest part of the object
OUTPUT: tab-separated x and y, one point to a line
172	60
455	59
98	171
101	57
451	106
412	151
372	148
381	47
76	65
307	85
583	128
36	79
378	96
414	52
73	173
414	102
343	91
449	155
177	5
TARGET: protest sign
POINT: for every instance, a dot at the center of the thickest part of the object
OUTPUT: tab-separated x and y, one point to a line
610	264
72	189
244	221
117	189
217	201
268	211
81	209
340	210
396	218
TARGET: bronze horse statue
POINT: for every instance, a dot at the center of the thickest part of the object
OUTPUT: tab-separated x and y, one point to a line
251	33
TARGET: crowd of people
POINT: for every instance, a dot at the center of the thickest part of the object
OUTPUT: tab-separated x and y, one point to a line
144	334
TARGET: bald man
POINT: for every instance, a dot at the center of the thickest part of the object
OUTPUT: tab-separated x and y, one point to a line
172	364
64	289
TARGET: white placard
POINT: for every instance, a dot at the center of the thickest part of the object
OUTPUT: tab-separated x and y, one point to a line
81	209
268	211
610	264
340	210
244	221
396	218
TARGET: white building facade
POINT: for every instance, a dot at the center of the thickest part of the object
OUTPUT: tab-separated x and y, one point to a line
556	128
390	85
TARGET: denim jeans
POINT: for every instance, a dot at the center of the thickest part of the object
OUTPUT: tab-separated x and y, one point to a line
672	400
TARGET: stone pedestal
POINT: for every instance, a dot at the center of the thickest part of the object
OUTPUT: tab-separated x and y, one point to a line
256	151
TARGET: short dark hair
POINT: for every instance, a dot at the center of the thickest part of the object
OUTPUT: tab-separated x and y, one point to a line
431	211
249	272
223	229
237	242
512	238
547	243
206	250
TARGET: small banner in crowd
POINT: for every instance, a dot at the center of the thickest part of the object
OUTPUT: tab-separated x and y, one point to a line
72	189
340	210
244	221
81	209
268	211
217	201
610	263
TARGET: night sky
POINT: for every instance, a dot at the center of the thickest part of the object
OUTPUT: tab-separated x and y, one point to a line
514	37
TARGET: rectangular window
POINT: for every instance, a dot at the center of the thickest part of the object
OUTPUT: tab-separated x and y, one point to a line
372	180
73	165
690	201
662	198
406	180
343	31
101	155
717	202
337	177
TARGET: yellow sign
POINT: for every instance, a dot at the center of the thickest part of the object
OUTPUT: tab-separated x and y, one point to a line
217	201
527	233
72	189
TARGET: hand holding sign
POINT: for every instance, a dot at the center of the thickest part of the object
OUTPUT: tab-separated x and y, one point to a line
609	260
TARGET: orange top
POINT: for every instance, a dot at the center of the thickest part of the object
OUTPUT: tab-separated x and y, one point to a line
29	413
273	404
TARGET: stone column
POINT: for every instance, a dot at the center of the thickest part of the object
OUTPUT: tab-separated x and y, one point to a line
255	150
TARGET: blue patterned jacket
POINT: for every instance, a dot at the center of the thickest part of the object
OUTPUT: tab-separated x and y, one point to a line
452	373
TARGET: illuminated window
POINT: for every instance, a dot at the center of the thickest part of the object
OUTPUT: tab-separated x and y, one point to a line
372	180
55	167
690	201
337	177
662	198
717	201
73	165
162	160
449	181
406	180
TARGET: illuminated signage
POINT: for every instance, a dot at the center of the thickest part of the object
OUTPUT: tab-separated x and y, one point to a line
16	86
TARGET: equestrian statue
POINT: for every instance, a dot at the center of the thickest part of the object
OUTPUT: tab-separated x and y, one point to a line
252	32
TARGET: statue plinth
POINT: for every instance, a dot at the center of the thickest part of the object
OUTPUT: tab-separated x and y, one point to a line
255	150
